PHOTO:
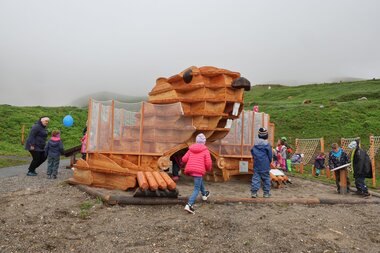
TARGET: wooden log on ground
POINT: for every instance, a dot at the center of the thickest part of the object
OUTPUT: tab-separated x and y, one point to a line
170	183
153	186
162	185
141	179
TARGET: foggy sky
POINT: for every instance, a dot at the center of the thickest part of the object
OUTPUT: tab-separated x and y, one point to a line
52	52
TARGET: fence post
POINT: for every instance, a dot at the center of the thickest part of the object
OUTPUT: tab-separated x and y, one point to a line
372	156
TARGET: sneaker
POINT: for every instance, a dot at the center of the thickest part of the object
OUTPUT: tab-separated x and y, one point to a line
254	195
54	177
49	176
175	178
204	197
31	174
190	209
266	195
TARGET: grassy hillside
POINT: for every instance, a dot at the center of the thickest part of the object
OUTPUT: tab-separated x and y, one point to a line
334	111
12	119
342	115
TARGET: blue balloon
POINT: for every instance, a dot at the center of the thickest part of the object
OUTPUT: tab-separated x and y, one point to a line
68	121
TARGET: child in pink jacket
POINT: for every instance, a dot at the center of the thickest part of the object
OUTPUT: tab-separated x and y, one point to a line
198	161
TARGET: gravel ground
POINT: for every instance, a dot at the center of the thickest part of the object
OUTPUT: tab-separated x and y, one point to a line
41	215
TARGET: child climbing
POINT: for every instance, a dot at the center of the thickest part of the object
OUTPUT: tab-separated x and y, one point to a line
262	157
319	163
198	161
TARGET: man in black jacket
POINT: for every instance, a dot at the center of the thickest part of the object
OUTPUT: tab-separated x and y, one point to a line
35	144
361	164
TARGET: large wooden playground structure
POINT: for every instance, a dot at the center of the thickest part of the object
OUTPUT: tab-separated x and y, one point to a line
130	144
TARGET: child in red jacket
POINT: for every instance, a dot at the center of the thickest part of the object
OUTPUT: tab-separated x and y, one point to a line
198	161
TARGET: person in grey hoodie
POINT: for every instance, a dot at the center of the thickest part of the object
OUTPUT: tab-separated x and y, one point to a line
262	157
54	150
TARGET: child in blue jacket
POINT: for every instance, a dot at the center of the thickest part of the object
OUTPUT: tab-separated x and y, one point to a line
262	157
53	150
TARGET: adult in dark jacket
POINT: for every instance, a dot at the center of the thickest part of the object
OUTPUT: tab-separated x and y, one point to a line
338	157
35	144
262	157
362	167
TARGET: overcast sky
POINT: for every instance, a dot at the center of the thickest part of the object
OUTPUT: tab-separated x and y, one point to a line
52	52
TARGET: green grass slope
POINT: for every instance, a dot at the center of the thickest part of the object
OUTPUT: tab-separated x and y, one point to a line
342	115
334	111
13	117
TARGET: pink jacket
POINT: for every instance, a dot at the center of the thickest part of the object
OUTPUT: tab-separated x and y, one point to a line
198	160
84	144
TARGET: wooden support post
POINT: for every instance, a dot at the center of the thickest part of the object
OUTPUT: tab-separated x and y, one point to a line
22	134
372	156
343	181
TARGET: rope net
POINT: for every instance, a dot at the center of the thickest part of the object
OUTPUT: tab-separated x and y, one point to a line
375	144
344	144
309	148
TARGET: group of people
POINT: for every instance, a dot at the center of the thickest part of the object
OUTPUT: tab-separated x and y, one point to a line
198	160
40	150
51	150
360	163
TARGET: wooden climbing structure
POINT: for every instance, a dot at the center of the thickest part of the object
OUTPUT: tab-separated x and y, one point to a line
125	140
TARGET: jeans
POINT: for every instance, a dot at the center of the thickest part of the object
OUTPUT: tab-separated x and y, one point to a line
53	164
256	181
360	184
175	169
38	158
198	186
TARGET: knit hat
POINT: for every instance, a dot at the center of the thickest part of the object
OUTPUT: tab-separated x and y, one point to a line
201	138
263	133
352	145
55	133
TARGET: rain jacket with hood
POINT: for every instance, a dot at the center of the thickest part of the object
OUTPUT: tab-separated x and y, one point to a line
198	160
54	147
262	155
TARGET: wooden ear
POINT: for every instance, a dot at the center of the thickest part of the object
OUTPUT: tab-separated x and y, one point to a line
188	76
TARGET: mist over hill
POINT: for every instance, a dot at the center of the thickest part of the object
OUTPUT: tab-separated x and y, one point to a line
105	95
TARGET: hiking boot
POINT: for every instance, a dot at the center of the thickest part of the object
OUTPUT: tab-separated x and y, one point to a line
366	194
254	195
266	195
207	194
31	174
357	193
189	208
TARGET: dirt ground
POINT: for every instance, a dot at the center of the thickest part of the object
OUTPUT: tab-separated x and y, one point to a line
41	215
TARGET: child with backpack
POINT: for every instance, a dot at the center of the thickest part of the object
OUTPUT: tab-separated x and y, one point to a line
198	161
53	151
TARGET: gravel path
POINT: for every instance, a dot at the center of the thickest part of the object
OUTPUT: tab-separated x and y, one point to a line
42	215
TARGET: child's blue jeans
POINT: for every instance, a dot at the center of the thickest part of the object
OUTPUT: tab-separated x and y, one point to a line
53	164
256	181
198	186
